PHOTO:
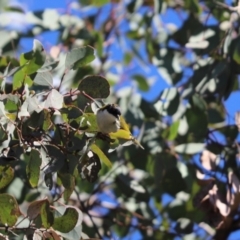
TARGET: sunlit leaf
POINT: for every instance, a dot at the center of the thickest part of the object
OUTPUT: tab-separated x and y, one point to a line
190	148
44	79
169	102
184	225
33	60
6	175
88	122
171	132
54	100
101	155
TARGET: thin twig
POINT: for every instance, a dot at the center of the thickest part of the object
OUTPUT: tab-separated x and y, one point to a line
85	210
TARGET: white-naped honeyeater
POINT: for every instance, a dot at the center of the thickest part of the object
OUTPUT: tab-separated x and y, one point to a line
108	118
110	121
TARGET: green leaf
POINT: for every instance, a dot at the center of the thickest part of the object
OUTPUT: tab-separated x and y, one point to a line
171	132
67	222
68	182
28	81
6	175
33	60
57	159
95	86
99	43
18	79
101	155
76	232
197	101
190	148
3	134
193	6
88	122
79	57
236	53
142	82
33	167
197	123
9	210
11	106
230	132
163	162
99	3
170	178
14	9
48	66
46	215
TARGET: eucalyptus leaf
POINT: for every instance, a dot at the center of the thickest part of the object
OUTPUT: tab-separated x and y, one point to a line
54	100
101	155
190	148
95	86
33	167
9	210
6	175
67	221
44	79
78	57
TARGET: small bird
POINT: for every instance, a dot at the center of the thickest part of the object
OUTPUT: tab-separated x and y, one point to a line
108	118
110	121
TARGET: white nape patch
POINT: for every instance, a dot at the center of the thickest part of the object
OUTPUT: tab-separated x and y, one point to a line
90	154
107	122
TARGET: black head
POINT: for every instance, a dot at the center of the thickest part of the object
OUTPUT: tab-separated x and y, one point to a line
113	109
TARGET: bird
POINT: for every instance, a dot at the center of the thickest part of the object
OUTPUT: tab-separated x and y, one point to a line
108	118
110	121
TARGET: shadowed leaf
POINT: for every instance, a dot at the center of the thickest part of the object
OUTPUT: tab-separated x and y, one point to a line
78	57
33	168
95	86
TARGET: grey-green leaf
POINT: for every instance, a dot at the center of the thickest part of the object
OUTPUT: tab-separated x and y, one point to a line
78	57
44	79
54	100
190	148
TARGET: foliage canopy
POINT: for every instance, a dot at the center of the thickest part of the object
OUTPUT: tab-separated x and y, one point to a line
62	179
